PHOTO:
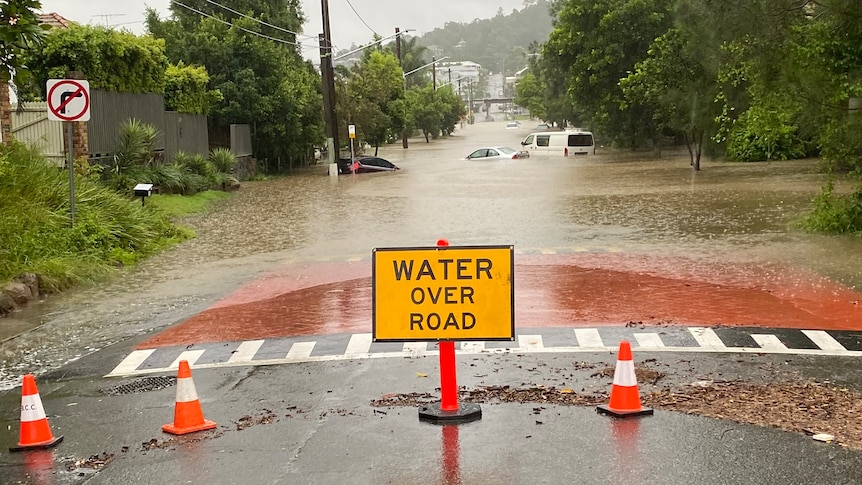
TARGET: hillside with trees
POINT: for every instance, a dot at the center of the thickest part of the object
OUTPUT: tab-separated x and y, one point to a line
498	44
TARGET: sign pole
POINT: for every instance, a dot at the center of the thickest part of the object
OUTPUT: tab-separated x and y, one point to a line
448	374
69	100
71	165
351	131
448	411
448	377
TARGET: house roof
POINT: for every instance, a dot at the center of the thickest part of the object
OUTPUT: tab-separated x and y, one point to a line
54	20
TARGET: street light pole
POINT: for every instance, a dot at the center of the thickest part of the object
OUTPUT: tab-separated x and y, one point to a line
404	143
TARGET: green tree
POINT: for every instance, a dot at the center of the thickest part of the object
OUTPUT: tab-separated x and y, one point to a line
681	88
828	59
595	43
451	107
186	89
761	110
530	95
545	90
264	82
413	57
373	89
111	60
20	32
424	111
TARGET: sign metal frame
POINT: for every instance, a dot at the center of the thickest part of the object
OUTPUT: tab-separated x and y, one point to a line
78	86
437	250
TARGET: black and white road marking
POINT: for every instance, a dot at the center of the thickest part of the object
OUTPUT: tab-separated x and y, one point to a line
538	340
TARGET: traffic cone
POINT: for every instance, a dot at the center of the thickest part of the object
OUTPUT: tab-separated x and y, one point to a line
188	416
35	430
625	401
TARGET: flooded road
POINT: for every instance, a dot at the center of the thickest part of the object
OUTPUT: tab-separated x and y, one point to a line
731	224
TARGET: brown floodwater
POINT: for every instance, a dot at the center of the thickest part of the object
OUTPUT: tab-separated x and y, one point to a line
616	213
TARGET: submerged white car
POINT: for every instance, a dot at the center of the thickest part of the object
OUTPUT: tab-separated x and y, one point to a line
497	153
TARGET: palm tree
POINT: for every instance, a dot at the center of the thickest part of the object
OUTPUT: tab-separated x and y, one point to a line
413	57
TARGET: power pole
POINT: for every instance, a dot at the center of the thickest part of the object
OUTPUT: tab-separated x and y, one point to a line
328	79
434	71
398	46
404	143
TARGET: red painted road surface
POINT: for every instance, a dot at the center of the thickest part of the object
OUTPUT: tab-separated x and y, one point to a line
550	291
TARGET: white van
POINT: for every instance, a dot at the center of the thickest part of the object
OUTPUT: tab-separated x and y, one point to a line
569	142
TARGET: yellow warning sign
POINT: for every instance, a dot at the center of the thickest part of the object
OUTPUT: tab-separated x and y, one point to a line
443	293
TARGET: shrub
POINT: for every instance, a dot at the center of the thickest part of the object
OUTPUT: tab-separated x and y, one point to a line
764	134
835	213
37	236
135	144
223	159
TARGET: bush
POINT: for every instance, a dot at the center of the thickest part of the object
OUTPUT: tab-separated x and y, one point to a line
764	134
223	159
835	213
135	144
198	165
110	229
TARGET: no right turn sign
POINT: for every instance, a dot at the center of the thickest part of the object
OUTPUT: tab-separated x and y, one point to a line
68	100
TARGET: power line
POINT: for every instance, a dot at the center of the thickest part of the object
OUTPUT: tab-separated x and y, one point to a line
360	18
244	29
260	21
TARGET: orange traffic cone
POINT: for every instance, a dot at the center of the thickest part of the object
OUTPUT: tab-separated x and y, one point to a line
188	416
35	431
625	401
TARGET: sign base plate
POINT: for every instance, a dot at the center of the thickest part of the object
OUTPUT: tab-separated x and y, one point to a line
465	413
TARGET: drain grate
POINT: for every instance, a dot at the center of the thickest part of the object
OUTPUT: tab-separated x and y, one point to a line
144	384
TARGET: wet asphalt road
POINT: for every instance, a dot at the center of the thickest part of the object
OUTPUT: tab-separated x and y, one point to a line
320	427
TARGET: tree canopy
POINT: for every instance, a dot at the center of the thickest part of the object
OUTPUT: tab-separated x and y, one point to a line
752	80
20	32
111	60
263	80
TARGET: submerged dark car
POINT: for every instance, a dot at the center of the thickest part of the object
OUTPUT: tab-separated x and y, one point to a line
365	164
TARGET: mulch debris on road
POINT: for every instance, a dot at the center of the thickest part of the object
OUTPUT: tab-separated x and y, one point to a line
813	408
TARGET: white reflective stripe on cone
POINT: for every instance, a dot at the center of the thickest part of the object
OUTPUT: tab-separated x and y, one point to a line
186	390
31	408
624	374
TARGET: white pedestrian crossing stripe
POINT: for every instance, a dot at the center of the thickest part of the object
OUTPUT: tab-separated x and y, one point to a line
245	352
768	342
706	337
647	340
823	340
589	338
539	340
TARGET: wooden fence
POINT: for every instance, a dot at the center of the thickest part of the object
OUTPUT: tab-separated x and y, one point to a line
30	125
108	110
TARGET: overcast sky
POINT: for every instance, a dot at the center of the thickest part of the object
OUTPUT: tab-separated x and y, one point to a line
381	15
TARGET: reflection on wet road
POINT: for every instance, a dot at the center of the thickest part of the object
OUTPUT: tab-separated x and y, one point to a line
629	237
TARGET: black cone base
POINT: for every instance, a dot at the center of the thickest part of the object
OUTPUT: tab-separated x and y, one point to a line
602	409
464	414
